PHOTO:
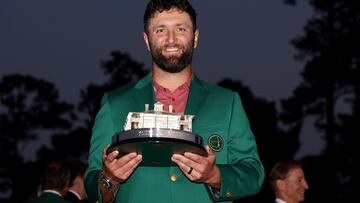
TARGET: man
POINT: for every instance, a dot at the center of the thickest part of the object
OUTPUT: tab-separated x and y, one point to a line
232	168
54	184
76	191
287	180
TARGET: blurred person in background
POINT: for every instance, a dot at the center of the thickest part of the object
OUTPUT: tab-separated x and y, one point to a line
76	191
54	183
287	180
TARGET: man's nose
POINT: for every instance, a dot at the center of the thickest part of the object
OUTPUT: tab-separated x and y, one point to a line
171	37
306	186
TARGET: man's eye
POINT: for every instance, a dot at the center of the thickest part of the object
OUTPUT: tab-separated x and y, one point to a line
159	30
181	29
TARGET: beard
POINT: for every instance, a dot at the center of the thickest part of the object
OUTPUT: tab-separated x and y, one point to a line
173	64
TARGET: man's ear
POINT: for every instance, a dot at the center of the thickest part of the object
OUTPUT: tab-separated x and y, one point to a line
196	38
146	39
280	184
65	188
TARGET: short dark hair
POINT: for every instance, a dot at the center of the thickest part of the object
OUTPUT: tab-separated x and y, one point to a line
280	171
55	176
154	6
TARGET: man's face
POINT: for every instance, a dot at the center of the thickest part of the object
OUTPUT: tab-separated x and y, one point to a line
171	40
295	185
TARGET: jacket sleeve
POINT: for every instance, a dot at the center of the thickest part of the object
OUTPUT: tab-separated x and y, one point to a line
101	136
244	173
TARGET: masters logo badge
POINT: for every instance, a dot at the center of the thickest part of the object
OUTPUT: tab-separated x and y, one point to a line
216	142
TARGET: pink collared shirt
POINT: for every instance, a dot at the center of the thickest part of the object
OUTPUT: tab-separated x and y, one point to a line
177	98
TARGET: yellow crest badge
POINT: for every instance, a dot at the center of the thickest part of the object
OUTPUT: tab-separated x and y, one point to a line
216	142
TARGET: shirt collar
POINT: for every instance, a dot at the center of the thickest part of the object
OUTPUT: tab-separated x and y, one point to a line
52	191
186	85
278	200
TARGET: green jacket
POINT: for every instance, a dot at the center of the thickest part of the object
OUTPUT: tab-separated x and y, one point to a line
217	111
48	197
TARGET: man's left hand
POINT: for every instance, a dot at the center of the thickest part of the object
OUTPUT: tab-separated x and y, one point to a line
199	168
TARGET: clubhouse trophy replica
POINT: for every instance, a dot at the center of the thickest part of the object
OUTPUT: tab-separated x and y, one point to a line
157	135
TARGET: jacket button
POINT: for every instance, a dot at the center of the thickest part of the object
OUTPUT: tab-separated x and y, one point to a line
229	194
174	177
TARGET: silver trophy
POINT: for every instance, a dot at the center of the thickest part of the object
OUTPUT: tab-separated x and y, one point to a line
157	135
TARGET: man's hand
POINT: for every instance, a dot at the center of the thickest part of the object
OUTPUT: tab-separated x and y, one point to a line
120	169
198	168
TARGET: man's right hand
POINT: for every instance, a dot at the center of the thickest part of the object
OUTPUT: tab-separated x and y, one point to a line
120	169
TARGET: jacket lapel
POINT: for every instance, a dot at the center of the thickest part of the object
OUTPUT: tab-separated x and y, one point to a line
144	93
197	96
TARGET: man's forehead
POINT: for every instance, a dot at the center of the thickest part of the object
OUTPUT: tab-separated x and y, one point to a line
296	172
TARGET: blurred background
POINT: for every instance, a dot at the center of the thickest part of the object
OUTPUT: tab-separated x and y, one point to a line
294	63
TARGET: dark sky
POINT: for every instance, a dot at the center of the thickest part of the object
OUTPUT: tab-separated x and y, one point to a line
64	42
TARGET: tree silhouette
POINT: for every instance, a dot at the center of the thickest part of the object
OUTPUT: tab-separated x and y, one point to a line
331	50
29	107
121	70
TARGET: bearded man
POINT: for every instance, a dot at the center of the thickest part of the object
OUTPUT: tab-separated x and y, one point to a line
232	168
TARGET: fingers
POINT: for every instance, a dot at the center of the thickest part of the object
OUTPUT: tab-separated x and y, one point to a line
182	160
130	161
189	161
195	157
122	173
177	160
124	163
131	166
209	150
108	158
125	159
188	170
199	158
202	167
112	156
104	152
119	169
